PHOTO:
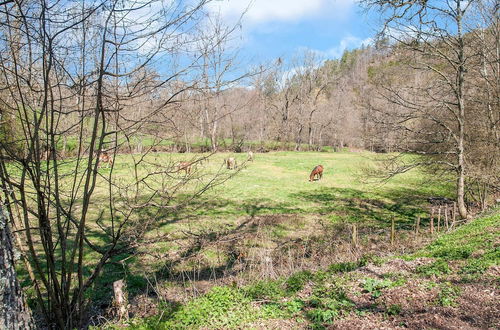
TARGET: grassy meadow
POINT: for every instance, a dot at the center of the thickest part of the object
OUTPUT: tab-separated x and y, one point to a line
267	221
268	207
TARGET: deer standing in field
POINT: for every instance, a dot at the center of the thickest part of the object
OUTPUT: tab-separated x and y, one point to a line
231	163
317	171
184	166
250	156
104	157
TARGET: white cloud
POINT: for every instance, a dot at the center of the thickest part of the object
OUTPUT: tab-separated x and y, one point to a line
262	11
349	42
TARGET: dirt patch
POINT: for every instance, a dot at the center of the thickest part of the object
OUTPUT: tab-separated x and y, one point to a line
412	297
277	324
395	266
493	271
365	322
480	305
434	318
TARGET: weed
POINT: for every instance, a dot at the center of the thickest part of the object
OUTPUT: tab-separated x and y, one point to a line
343	267
448	295
394	309
297	281
221	307
266	290
320	315
437	268
294	306
375	287
475	267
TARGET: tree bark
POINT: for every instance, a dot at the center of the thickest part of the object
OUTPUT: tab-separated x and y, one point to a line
14	312
462	210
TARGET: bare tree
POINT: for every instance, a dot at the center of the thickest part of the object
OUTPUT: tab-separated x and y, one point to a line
83	71
431	108
218	65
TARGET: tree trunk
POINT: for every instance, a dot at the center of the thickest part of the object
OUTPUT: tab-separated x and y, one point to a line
14	312
462	210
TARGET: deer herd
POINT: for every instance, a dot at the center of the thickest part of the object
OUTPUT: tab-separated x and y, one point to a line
230	164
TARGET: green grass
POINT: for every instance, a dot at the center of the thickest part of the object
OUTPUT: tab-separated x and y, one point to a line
463	242
275	183
278	183
326	299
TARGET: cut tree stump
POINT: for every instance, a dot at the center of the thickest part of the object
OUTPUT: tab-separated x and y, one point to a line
120	301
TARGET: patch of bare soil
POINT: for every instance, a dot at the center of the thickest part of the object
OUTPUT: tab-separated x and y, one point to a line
439	318
365	322
276	324
493	271
479	305
416	302
395	266
412	297
476	308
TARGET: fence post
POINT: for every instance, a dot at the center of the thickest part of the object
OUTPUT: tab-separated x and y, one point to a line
439	218
354	237
120	301
393	227
446	217
431	228
454	214
417	225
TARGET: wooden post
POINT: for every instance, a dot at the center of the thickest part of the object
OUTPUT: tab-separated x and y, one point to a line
120	302
393	234
439	218
354	237
417	225
431	228
446	217
454	214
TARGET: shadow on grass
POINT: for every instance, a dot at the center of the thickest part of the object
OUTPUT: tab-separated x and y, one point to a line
356	206
221	207
340	205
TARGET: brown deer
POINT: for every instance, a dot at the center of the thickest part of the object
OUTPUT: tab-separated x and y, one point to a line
317	171
104	157
184	166
250	156
231	163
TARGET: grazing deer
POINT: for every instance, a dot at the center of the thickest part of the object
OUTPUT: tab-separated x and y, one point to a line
104	157
184	166
231	163
317	171
250	156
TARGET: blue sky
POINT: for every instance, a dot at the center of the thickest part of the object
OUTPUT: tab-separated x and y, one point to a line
282	28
